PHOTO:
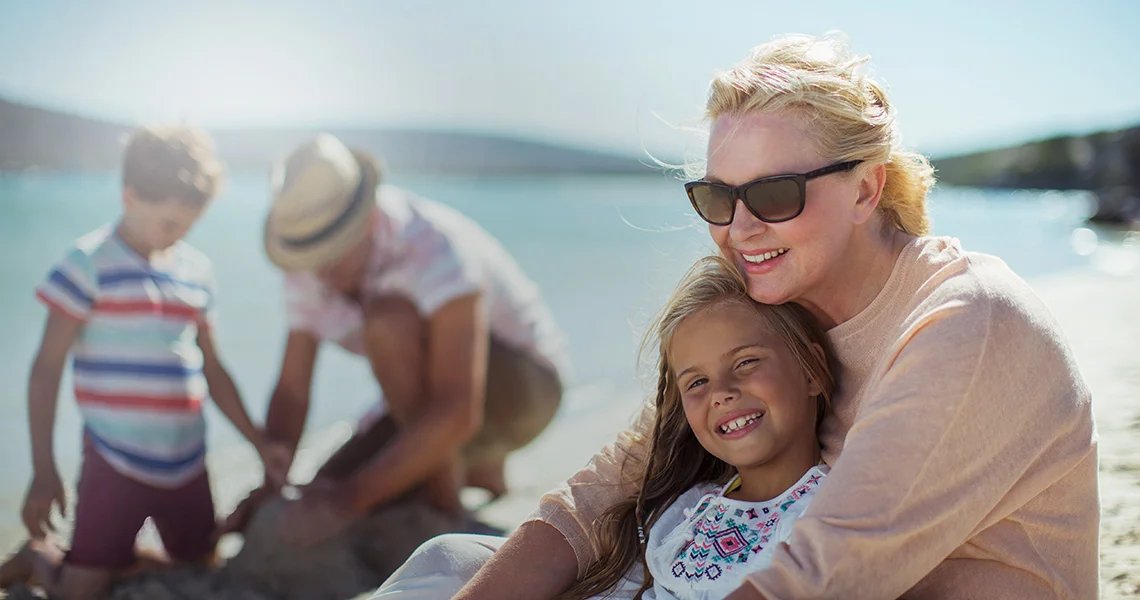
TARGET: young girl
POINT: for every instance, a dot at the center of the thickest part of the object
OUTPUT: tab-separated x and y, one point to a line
734	459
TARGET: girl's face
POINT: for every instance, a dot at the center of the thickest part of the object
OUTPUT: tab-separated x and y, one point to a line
807	251
744	394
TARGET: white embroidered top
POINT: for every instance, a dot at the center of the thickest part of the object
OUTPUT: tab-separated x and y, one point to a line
704	545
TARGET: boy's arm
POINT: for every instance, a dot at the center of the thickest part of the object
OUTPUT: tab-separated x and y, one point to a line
228	400
60	332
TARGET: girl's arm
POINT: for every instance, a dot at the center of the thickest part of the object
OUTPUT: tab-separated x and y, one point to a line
546	555
536	563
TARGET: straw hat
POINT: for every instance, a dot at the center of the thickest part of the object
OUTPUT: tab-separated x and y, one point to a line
323	196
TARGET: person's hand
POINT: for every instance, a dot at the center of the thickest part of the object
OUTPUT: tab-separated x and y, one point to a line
276	457
745	592
45	491
239	518
322	512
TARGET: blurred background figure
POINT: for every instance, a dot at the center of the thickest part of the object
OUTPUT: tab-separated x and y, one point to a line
464	349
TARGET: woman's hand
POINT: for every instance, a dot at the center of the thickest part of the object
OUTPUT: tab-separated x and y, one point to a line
322	512
745	592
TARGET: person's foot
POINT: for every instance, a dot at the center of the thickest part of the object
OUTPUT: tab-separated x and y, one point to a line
18	567
490	477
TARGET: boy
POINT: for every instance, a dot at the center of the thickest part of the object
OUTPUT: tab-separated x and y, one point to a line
134	306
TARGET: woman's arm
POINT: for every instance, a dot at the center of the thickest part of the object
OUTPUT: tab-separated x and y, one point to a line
980	411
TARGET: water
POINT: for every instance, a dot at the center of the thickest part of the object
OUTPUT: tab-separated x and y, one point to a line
604	249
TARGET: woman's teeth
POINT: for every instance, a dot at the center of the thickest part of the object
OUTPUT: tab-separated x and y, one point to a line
739	422
759	258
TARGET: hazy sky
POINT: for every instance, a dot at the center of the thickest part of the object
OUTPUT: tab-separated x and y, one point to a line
596	73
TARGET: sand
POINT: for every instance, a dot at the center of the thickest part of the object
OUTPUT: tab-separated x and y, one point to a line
1100	314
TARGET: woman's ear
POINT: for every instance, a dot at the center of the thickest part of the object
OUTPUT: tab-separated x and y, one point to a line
870	192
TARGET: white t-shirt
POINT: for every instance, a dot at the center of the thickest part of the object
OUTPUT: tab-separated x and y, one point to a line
431	254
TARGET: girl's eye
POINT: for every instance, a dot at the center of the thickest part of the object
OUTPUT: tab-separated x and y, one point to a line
746	362
696	382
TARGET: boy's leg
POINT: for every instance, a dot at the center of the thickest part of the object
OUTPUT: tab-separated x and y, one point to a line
110	509
186	522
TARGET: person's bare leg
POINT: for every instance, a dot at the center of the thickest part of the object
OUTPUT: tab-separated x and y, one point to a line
17	568
62	581
442	490
80	583
395	335
490	476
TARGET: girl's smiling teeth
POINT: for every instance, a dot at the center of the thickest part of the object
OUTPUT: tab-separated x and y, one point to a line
759	258
740	422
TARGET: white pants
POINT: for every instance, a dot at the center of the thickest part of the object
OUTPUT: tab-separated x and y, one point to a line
441	566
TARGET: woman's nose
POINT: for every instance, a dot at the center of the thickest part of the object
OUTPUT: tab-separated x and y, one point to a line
744	224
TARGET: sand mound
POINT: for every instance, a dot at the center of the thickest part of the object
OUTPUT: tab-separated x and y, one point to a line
267	568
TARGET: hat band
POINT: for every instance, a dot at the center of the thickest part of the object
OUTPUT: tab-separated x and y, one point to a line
329	230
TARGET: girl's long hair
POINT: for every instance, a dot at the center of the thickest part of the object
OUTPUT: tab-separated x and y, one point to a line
676	460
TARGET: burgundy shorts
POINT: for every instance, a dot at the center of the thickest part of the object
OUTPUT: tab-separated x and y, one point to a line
110	509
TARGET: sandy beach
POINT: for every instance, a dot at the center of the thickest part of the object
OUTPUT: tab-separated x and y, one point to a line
1098	312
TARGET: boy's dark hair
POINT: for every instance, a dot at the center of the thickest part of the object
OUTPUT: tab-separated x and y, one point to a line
172	161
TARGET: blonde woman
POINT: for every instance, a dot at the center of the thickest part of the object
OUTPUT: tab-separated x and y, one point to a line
961	445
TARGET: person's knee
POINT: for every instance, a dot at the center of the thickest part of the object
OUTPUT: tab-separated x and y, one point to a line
453	553
80	583
394	309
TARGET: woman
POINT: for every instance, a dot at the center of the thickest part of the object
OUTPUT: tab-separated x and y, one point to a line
462	345
962	449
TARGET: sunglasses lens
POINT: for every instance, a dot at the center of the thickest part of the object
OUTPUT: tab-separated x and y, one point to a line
774	200
713	204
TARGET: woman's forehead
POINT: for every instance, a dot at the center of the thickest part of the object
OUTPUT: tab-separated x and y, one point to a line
743	148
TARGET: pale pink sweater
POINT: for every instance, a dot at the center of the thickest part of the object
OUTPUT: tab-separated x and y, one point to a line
962	450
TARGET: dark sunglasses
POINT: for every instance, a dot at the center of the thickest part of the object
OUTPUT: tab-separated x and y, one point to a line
772	199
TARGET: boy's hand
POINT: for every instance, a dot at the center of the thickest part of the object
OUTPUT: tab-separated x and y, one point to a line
277	458
46	490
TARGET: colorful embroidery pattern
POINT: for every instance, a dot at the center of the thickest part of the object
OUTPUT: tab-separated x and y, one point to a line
723	535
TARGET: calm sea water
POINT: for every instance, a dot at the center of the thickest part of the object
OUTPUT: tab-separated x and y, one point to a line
605	251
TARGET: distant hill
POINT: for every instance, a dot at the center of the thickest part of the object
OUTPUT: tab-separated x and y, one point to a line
1078	162
35	138
1106	163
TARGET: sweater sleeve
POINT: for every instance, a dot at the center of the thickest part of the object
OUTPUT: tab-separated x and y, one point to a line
979	409
609	478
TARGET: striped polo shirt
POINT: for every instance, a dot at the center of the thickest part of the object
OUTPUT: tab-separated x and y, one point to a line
136	363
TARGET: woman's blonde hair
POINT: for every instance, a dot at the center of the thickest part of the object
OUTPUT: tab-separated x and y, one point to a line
845	111
676	460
